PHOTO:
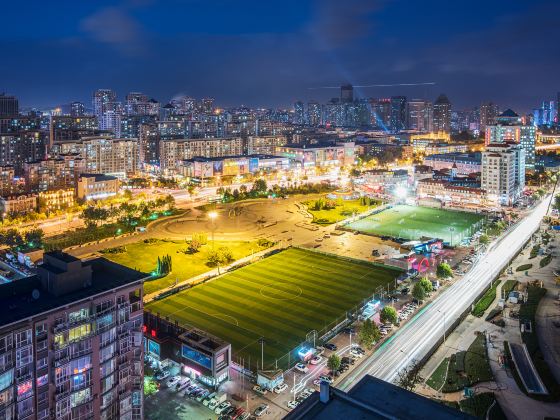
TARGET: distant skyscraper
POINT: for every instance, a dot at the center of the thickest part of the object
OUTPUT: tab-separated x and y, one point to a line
77	109
398	113
346	93
442	114
419	115
488	113
9	107
314	114
136	103
103	100
298	113
207	104
546	115
380	113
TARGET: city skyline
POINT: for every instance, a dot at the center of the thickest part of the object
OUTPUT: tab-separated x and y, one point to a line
271	55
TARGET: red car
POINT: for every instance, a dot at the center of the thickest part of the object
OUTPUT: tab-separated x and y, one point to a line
237	413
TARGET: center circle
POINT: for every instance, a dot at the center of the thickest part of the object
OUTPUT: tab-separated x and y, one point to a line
281	291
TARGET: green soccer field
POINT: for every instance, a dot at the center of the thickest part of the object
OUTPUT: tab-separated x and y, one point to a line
281	298
411	222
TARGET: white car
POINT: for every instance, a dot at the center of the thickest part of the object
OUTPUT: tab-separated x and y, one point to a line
327	378
302	368
357	354
316	360
280	388
222	407
292	404
173	381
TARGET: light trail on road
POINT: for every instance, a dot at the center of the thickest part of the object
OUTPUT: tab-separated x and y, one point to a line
416	338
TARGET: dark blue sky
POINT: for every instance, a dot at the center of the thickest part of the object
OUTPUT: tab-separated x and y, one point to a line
269	53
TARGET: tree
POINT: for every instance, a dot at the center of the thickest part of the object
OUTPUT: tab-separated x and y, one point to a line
369	334
259	186
418	292
333	363
225	254
426	284
409	376
444	271
34	237
484	239
389	314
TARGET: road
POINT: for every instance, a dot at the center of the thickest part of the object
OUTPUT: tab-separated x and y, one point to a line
415	340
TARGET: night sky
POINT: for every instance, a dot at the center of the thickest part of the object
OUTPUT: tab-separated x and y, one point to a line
269	53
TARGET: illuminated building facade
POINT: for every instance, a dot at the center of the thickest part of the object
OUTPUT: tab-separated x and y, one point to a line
97	186
71	342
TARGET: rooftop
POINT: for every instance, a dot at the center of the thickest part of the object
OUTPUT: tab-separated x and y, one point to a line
373	398
26	297
99	177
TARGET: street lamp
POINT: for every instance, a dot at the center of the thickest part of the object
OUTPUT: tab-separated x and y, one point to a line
212	216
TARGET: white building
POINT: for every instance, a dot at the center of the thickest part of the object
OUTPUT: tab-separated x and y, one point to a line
503	172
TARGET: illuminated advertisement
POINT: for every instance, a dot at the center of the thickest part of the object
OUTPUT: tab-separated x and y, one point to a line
196	356
218	167
154	347
253	164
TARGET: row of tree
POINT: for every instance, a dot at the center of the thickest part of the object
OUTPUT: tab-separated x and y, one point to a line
16	239
164	265
126	212
260	189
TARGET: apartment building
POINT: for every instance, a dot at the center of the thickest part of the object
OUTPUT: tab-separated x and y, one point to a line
71	342
503	172
265	145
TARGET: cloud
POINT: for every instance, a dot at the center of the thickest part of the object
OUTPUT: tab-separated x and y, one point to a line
338	22
115	27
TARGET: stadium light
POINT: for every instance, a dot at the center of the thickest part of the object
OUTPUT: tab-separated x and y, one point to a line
401	192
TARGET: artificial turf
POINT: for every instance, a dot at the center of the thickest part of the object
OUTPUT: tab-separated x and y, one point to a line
411	222
280	298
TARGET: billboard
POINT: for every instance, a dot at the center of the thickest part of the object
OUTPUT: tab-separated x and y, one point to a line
196	356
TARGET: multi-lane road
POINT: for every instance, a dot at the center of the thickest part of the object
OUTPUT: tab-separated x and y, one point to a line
415	340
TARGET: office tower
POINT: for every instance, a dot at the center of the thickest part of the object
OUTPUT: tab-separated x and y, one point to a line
334	113
380	113
503	172
442	114
111	120
509	127
9	107
103	101
488	114
398	113
546	115
419	115
346	93
77	109
298	113
314	114
558	109
71	341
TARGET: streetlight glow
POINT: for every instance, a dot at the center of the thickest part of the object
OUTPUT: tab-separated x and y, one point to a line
212	215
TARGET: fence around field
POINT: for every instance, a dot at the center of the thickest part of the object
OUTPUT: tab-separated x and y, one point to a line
318	337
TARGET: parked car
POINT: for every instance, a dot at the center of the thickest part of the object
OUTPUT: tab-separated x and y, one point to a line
162	375
331	346
173	381
326	378
222	407
302	368
244	416
316	360
259	390
280	388
202	395
208	398
260	410
292	404
238	413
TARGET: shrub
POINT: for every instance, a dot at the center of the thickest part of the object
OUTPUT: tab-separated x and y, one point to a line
524	267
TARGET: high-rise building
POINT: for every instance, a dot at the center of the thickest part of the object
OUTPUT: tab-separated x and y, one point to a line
546	115
9	106
110	156
509	127
314	114
398	113
488	114
419	115
442	114
103	100
207	104
299	114
77	109
346	93
148	144
380	113
71	341
503	172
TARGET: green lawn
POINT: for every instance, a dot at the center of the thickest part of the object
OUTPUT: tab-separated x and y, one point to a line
486	300
143	256
343	210
437	379
411	222
474	368
281	298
